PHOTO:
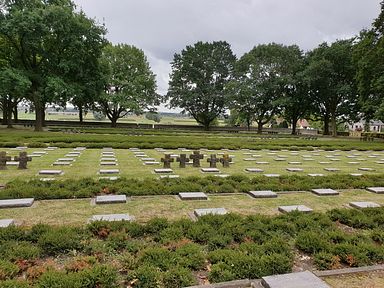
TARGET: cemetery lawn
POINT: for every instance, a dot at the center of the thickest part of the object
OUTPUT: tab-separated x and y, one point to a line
88	164
144	208
371	280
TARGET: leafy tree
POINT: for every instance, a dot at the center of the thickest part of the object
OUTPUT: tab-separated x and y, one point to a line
153	116
331	74
198	78
369	56
130	84
53	45
261	78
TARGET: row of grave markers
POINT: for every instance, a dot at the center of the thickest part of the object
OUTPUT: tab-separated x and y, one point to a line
113	199
225	160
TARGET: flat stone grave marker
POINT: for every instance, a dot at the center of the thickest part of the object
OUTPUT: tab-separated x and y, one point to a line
254	170
210	211
72	155
306	156
361	159
222	175
356	174
113	178
295	163
262	194
308	159
133	149
304	279
271	153
12	163
329	156
39	152
138	152
47	179
193	196
50	148
147	159
272	175
112	217
353	163
324	162
281	156
315	174
4	223
169	176
362	205
14	203
332	169
108	163
35	155
21	147
256	155
66	159
151	162
110	199
366	169
249	159
378	190
325	192
351	156
335	159
141	156
51	172
210	170
109	171
80	149
280	159
379	162
262	163
107	159
294	153
295	169
107	148
372	156
247	153
61	163
75	152
163	170
291	208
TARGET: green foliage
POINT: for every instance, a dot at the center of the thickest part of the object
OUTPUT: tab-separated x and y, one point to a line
178	277
8	270
14	284
191	256
198	78
159	257
12	250
147	277
60	240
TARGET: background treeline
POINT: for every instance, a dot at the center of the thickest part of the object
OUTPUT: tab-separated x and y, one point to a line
53	54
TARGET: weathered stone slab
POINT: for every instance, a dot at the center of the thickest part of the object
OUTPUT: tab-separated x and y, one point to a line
256	155
141	156
151	163
169	176
366	169
210	211
47	179
51	172
146	159
362	205
75	152
304	279
107	159
249	159
71	155
133	149
254	170
325	192
353	163
50	148
108	163
222	175
315	174
113	178
378	190
294	169
66	159
193	196
112	217
280	159
139	153
39	152
262	163
14	203
80	149
210	170
334	159
294	163
12	163
163	170
324	162
60	163
356	174
4	223
272	175
110	199
379	162
332	169
109	171
291	208
262	194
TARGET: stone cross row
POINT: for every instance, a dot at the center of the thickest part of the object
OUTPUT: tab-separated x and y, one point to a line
23	159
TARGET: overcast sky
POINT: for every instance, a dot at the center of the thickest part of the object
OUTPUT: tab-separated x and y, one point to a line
164	27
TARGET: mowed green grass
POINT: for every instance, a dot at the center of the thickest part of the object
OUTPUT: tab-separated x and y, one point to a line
77	212
88	164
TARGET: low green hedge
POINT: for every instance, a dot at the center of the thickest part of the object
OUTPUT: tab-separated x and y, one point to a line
87	187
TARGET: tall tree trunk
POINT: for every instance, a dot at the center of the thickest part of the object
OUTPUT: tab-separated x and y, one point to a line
259	127
39	117
326	125
114	122
206	125
9	108
15	113
4	121
81	113
294	125
248	123
334	125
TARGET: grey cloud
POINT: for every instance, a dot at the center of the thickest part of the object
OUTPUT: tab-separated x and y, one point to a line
164	27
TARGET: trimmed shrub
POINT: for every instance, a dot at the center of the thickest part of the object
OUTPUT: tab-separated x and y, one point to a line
14	284
191	256
55	279
101	276
221	272
178	277
159	257
311	242
8	270
326	260
147	276
20	250
60	240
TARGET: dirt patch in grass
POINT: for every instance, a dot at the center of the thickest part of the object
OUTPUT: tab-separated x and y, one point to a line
367	280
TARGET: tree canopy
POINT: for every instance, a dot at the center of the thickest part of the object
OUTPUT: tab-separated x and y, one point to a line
198	79
129	82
